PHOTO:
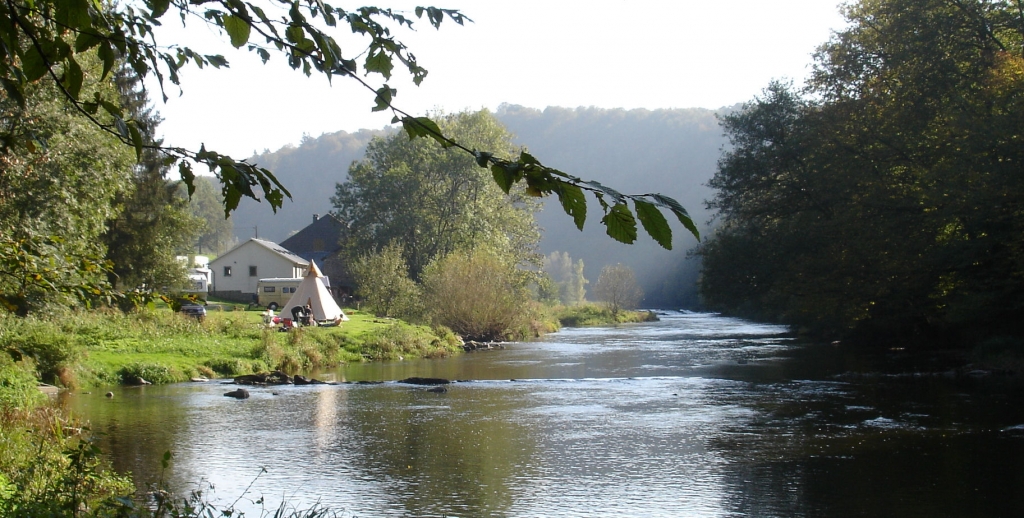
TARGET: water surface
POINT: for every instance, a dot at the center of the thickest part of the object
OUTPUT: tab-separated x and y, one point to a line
695	415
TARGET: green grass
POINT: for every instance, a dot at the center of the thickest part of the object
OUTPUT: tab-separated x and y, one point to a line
97	348
589	314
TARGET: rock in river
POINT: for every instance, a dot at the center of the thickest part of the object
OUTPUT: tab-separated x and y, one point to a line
238	394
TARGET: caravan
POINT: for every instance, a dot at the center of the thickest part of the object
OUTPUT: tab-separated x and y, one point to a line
272	293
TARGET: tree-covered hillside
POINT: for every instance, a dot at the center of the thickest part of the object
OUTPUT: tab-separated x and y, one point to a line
669	151
310	171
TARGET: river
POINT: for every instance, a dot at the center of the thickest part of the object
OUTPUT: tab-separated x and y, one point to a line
694	415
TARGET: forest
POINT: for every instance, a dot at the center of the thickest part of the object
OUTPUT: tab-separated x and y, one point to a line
882	203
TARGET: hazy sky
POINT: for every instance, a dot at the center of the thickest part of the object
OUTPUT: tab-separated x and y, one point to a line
608	54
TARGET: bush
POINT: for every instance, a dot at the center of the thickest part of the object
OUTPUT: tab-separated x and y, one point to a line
476	294
151	372
53	351
17	385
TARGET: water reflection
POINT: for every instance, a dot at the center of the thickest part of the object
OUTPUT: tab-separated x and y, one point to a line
696	415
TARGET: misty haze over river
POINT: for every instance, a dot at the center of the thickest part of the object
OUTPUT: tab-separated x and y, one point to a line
695	415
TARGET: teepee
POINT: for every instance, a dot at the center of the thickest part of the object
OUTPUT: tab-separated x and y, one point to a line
313	292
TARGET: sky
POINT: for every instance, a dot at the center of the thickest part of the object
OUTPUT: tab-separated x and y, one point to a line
600	53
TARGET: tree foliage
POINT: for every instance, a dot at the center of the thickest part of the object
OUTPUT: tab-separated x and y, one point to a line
55	201
567	276
384	283
616	287
433	201
885	201
154	224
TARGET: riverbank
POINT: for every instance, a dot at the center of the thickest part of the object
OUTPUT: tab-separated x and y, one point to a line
99	348
587	315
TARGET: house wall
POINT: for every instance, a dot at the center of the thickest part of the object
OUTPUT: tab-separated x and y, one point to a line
267	263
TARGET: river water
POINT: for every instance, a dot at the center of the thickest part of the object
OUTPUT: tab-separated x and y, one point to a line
694	415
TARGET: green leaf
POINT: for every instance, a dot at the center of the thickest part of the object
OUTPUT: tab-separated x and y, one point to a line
573	202
107	55
423	127
86	41
679	211
295	34
73	77
158	7
133	129
13	89
620	224
187	176
379	62
33	64
654	223
384	96
238	29
73	14
217	61
503	176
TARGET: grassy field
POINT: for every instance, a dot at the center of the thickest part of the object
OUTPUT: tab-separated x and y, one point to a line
84	349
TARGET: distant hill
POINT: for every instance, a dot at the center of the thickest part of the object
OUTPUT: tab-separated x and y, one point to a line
673	152
309	172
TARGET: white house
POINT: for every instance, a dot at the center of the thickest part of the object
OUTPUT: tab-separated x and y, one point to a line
237	271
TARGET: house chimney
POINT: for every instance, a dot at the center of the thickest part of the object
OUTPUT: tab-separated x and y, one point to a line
316	217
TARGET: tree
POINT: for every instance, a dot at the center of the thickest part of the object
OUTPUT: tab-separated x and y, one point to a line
207	206
477	293
888	209
154	225
384	283
48	38
568	276
432	201
616	287
56	199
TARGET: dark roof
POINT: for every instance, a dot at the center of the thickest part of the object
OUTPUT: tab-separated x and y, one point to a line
318	240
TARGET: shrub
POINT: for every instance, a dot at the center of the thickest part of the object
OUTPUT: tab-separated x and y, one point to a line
52	350
229	366
477	294
151	372
17	385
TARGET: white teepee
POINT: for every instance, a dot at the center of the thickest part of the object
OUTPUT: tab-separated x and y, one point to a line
313	292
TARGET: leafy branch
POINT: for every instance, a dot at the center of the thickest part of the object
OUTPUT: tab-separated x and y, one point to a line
43	37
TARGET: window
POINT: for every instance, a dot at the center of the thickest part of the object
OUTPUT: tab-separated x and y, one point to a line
291	290
252	271
227	271
268	289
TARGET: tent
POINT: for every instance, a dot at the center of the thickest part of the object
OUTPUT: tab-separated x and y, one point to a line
312	291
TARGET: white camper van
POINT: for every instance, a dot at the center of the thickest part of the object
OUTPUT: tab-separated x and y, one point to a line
274	292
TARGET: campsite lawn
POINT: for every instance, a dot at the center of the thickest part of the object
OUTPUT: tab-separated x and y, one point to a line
98	348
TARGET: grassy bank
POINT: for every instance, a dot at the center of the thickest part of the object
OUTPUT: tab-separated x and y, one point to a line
83	349
585	315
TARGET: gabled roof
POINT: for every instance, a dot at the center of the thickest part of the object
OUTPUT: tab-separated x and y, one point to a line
269	245
318	240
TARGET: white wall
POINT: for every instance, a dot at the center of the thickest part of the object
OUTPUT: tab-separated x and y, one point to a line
267	263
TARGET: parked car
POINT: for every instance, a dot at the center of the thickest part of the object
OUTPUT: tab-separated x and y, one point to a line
194	310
